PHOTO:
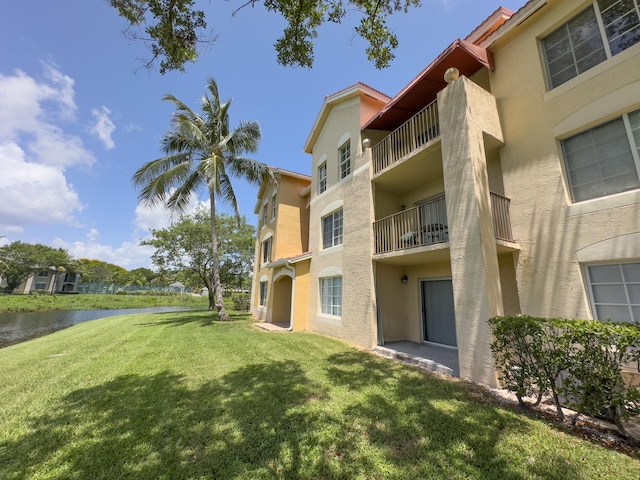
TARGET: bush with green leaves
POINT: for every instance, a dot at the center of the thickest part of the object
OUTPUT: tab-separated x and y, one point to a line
579	362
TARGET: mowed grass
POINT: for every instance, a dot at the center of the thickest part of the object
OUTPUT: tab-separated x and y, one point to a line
88	301
176	395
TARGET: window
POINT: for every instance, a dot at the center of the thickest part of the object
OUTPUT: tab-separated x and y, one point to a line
331	296
265	209
263	293
41	286
266	250
332	229
344	159
604	160
322	178
43	273
584	42
615	291
274	206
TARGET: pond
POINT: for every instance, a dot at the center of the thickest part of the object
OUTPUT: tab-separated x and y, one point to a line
16	327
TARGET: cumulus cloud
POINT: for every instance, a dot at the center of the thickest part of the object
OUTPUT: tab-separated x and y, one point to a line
128	255
33	193
103	126
35	150
155	217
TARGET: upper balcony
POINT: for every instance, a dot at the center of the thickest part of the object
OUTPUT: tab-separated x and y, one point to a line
408	139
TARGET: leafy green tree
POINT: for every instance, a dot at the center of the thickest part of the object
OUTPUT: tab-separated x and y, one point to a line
184	250
97	271
140	277
175	28
21	260
237	249
201	153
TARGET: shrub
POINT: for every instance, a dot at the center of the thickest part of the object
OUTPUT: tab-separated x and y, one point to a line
241	302
579	361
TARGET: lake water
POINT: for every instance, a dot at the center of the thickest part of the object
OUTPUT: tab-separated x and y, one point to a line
16	327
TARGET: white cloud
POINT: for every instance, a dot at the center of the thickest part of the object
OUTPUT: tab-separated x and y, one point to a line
35	150
33	193
156	217
103	126
129	255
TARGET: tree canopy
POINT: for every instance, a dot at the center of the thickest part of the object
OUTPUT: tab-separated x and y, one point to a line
184	250
175	29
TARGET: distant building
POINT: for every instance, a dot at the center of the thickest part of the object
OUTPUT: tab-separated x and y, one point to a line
48	281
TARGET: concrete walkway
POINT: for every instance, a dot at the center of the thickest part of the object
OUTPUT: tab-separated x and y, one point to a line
428	356
273	327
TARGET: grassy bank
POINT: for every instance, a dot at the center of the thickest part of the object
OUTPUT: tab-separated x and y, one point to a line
179	396
40	302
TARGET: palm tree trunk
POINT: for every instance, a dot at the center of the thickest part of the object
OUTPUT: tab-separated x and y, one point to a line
222	313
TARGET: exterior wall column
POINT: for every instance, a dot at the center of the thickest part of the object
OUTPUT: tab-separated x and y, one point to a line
468	115
358	293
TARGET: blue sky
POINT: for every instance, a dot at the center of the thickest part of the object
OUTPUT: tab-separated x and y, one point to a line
78	116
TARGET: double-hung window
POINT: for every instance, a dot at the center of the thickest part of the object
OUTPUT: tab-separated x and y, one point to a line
604	29
605	159
332	229
615	291
344	159
266	250
331	296
263	293
265	210
274	206
322	178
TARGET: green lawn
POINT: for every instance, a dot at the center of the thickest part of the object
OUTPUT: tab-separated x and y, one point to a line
175	395
43	302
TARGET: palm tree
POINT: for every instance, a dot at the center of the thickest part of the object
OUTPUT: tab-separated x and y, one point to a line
202	152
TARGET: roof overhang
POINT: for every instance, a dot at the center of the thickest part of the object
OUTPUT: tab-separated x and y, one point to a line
461	54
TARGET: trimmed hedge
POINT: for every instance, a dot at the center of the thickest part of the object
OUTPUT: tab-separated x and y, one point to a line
578	362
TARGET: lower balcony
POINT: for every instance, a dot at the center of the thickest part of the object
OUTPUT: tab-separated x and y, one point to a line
426	224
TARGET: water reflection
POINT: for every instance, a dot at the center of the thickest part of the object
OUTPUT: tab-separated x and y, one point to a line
16	327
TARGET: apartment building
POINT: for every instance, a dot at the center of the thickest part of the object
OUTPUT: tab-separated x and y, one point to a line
47	281
503	179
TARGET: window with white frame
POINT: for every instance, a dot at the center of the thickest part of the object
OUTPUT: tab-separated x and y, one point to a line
332	229
331	296
344	159
615	291
322	177
604	29
41	286
604	160
263	294
265	210
266	250
274	206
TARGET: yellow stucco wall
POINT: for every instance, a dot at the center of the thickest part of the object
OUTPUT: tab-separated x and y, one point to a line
548	227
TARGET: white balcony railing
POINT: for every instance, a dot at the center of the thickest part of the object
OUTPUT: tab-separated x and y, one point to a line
408	137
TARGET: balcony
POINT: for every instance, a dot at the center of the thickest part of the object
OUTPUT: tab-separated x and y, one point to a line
420	129
423	225
427	224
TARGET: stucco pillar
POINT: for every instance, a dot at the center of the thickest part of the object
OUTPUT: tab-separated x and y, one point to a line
359	302
468	114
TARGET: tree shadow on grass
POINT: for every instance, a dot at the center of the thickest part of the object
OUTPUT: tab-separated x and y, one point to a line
204	317
436	425
271	420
